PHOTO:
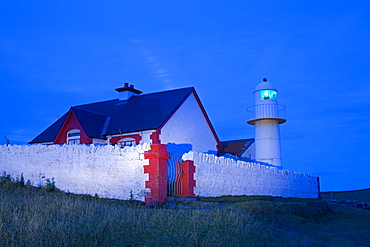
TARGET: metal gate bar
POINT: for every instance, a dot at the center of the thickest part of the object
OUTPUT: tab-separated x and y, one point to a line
174	174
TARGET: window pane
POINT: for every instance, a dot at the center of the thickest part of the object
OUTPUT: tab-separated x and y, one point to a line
73	134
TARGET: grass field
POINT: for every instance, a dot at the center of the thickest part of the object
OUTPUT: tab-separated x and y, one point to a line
32	216
353	195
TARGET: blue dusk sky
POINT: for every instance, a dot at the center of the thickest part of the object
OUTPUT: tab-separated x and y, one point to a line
56	54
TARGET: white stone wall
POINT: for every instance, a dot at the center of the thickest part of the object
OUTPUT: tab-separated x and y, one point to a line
108	171
219	176
114	172
189	126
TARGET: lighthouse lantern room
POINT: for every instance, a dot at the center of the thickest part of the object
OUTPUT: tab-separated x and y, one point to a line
266	115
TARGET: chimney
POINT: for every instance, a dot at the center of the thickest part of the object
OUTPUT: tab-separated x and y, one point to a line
127	91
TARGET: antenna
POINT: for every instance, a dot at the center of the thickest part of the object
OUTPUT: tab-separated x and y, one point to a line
7	140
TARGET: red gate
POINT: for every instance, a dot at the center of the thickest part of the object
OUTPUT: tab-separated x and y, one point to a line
180	176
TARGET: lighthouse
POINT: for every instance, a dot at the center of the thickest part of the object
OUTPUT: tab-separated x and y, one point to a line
266	115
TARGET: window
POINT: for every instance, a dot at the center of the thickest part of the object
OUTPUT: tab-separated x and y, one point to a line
268	94
126	141
73	136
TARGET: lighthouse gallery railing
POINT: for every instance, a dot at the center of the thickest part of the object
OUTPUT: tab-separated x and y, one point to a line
274	111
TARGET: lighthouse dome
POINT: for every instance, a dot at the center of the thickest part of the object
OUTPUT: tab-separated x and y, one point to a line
265	85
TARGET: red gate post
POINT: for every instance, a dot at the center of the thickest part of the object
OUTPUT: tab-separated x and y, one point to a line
157	170
188	182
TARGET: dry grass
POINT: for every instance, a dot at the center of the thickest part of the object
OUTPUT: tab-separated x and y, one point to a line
35	217
352	195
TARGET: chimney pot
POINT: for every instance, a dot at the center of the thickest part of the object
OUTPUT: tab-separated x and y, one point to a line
127	91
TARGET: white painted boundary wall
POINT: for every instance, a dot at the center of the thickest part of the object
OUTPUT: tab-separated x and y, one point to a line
219	176
109	171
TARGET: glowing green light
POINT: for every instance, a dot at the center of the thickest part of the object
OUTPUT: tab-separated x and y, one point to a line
268	94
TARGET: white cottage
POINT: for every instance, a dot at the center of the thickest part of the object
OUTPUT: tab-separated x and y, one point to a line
174	116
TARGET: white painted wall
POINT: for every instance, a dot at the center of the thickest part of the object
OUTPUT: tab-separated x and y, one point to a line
145	136
188	126
109	171
217	176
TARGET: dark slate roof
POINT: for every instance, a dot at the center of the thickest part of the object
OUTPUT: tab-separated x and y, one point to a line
146	112
140	112
235	147
92	123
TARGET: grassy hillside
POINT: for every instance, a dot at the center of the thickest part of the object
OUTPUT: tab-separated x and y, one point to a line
41	217
353	195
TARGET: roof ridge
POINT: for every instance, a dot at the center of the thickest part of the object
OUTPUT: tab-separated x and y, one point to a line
105	126
98	102
247	139
76	107
170	90
144	94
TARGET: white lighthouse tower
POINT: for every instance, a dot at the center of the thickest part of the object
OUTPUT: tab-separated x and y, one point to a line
266	115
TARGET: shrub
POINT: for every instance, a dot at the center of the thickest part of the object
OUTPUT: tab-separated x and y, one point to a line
49	186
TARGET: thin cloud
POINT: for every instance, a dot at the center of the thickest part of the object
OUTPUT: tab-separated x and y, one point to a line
155	65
